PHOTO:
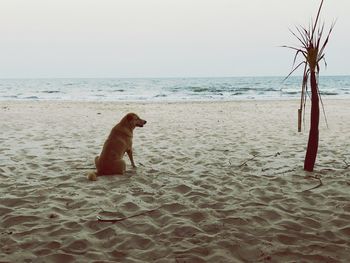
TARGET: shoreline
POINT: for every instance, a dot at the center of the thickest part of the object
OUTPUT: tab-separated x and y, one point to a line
172	90
215	181
333	98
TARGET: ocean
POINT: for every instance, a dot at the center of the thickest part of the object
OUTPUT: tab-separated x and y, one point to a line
168	89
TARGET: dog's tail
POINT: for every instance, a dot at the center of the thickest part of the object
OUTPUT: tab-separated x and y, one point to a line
92	176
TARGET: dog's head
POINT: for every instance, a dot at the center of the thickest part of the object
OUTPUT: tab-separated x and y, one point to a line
134	120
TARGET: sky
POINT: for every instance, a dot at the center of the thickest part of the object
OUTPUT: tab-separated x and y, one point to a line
162	38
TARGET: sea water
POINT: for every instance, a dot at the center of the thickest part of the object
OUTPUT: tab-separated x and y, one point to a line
168	89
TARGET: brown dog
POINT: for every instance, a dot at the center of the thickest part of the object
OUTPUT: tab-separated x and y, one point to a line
119	142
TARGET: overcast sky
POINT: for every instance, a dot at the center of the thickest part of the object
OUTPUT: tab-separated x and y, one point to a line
161	38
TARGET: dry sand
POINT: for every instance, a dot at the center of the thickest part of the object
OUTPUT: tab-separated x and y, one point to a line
223	182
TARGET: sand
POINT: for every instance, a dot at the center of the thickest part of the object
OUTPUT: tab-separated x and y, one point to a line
215	182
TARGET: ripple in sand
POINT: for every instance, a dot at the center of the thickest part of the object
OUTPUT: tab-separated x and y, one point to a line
247	253
105	233
13	202
60	232
19	220
212	228
213	188
287	239
270	215
53	245
5	210
345	231
347	208
189	259
130	207
58	258
196	195
237	221
182	189
76	247
291	225
196	217
136	242
147	198
77	204
73	226
43	252
309	222
155	160
186	231
145	228
174	207
117	255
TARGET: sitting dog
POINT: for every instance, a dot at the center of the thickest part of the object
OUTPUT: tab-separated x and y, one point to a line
119	142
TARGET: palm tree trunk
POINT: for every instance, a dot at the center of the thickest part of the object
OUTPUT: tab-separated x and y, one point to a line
312	145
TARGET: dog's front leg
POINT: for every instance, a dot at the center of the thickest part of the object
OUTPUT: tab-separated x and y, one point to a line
129	152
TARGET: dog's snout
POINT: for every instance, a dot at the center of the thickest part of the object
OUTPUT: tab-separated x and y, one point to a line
141	122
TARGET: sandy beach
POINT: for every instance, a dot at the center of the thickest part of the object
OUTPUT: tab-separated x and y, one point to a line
215	182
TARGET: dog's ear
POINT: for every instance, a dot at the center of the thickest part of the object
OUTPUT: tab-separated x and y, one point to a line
129	117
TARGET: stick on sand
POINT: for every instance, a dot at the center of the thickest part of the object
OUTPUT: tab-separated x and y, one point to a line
99	219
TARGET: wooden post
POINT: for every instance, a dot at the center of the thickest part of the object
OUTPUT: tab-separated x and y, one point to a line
299	119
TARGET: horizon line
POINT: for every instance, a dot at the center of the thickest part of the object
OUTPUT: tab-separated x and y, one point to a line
171	77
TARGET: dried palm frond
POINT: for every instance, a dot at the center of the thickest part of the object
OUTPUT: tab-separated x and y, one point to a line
312	51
